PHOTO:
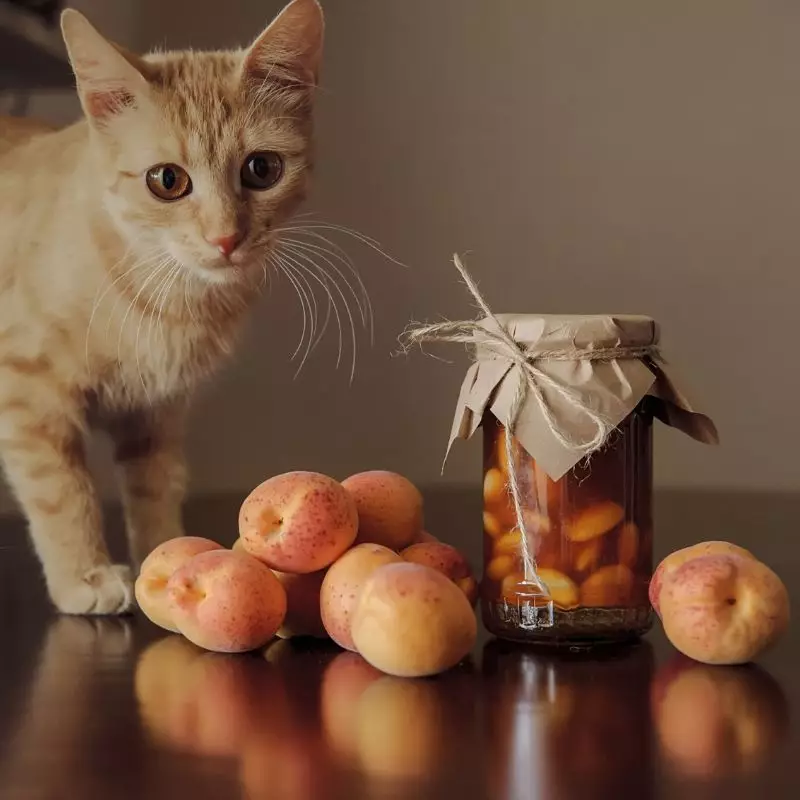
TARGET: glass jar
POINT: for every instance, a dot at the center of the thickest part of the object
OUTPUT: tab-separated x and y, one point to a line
568	533
591	534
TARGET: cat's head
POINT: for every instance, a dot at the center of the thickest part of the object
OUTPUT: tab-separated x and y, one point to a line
200	155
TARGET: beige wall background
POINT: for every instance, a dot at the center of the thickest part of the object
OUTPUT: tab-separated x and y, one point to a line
617	156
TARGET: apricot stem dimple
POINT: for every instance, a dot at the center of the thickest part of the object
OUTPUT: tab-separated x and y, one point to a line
188	591
270	522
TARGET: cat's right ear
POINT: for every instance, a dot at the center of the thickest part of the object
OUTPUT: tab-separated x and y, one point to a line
290	48
109	79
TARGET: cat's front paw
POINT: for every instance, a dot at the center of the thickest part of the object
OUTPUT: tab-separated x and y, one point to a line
107	589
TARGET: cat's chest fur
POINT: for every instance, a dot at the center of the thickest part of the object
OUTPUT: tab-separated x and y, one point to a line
150	356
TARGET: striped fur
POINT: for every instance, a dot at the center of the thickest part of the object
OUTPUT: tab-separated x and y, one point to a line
113	304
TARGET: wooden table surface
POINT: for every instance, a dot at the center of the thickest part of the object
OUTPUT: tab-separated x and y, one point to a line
113	708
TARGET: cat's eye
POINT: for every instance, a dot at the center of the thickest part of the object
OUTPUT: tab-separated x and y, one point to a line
168	182
262	170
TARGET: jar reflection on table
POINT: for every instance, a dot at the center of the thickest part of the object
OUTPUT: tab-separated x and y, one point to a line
563	725
590	533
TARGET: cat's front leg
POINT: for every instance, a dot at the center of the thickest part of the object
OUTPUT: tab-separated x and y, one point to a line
44	460
148	449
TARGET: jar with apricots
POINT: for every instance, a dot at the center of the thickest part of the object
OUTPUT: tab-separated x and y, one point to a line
590	533
567	406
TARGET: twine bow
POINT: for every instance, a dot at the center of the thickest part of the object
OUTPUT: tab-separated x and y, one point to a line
531	380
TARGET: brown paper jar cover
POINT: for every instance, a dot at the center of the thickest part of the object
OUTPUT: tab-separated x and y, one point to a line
612	387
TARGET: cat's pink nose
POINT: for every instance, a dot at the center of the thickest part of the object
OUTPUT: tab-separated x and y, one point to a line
226	244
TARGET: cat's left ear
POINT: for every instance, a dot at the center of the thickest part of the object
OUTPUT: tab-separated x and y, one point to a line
291	46
110	80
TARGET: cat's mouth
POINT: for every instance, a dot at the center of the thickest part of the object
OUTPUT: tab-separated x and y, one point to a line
218	275
219	270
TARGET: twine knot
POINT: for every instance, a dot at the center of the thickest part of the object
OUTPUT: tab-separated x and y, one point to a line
489	333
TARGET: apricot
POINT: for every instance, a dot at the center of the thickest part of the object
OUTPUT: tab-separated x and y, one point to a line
594	521
548	492
674	560
492	525
226	601
494	487
238	545
512	586
607	587
445	559
502	451
536	523
389	508
343	584
302	605
516	588
156	570
723	609
500	566
412	621
562	589
424	536
298	522
509	544
628	545
587	555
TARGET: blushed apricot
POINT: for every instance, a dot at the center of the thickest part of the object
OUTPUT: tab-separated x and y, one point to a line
298	522
412	621
343	584
389	508
675	560
227	602
724	609
156	570
449	561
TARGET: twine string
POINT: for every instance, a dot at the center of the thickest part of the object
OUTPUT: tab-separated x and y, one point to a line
530	380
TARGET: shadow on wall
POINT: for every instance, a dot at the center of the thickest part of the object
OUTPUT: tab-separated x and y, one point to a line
584	165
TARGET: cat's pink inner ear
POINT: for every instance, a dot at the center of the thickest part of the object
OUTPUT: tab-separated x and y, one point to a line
108	81
104	104
290	47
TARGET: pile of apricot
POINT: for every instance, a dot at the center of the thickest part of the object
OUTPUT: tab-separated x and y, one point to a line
315	557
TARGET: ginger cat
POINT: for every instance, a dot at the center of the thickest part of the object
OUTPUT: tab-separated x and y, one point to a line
132	244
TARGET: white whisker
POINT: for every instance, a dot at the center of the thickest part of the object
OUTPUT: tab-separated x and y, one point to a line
316	267
187	279
153	298
139	263
374	244
157	271
323	280
164	298
363	301
279	265
310	300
